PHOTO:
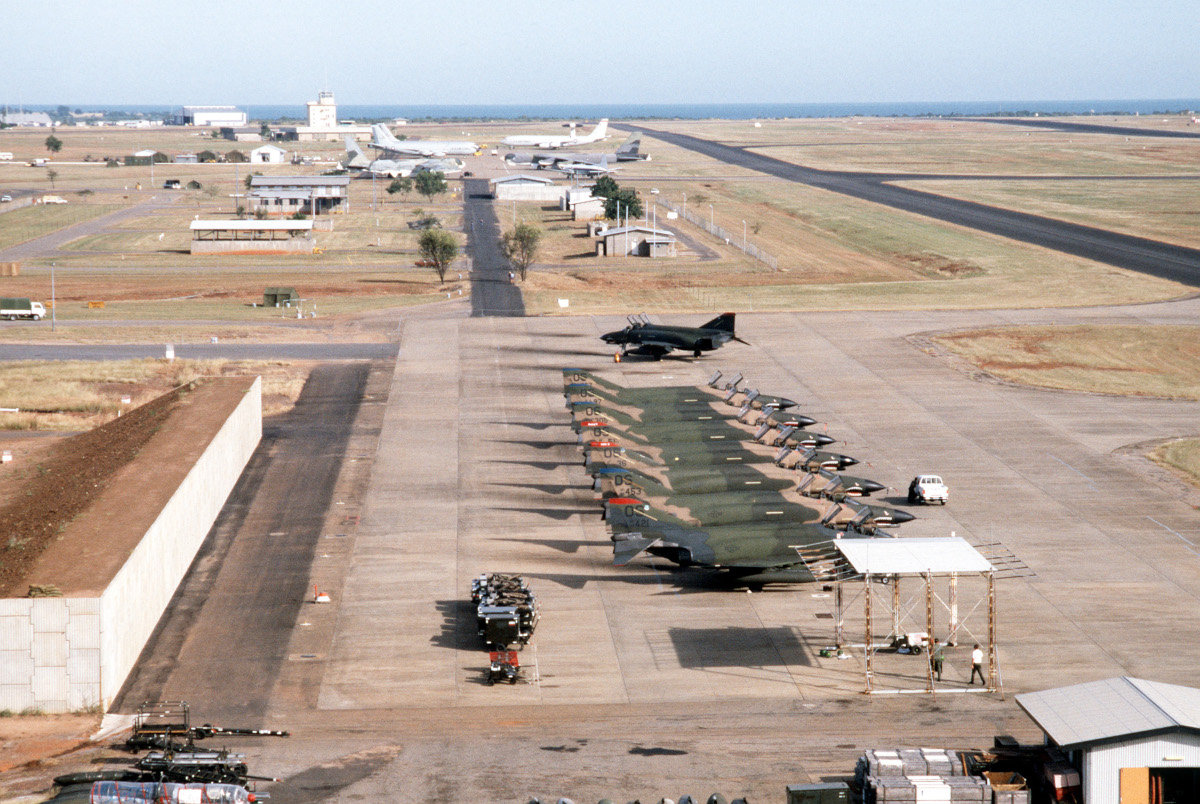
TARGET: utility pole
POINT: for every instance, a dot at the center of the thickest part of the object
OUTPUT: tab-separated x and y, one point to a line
53	306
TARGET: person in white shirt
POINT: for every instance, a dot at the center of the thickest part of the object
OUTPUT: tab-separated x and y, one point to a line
977	664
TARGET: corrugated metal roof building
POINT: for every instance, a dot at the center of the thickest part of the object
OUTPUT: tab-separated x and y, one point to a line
286	195
1137	741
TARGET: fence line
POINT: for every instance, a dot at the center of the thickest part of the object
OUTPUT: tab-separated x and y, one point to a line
721	233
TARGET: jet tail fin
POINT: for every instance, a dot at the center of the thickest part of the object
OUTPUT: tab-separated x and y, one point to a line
600	131
632	145
380	135
722	323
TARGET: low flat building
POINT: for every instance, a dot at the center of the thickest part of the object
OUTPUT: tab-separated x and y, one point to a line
39	119
242	133
525	187
287	195
213	116
268	155
635	241
186	159
251	237
1131	741
585	209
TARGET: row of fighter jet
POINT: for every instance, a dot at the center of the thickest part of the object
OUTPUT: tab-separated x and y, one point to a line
721	477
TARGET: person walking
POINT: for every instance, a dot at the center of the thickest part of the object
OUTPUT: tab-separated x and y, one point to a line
977	665
939	659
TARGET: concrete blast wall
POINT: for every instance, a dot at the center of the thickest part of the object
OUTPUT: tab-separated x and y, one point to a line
63	654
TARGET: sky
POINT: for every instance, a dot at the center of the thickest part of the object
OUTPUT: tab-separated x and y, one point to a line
175	52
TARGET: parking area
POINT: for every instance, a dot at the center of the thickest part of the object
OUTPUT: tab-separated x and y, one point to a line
476	471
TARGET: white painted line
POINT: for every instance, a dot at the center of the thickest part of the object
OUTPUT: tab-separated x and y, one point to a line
1076	471
1177	533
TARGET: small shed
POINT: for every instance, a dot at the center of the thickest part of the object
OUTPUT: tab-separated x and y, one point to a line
186	159
586	209
280	297
525	187
268	155
1134	741
572	195
635	241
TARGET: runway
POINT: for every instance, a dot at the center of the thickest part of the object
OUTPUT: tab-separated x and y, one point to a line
1151	257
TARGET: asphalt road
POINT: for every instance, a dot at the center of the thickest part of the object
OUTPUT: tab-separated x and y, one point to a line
1166	261
222	641
492	292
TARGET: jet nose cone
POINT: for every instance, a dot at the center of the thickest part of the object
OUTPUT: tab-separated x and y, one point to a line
611	337
901	516
824	439
870	486
846	460
784	404
803	421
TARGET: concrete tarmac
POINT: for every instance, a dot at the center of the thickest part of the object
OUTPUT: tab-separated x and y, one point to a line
647	680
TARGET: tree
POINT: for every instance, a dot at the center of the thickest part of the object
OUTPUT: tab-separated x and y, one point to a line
250	178
402	185
605	187
194	185
52	174
430	183
53	144
626	202
520	246
438	247
265	132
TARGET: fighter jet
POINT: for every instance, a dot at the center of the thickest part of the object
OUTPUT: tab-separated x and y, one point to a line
579	384
557	140
655	340
836	486
633	515
384	140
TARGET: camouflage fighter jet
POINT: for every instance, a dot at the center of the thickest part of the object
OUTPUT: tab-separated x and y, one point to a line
629	514
642	337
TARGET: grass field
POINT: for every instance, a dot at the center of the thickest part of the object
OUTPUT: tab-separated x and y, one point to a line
1157	361
949	146
833	251
26	223
1160	210
78	395
1182	455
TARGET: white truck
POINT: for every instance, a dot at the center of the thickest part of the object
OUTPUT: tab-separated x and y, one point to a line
927	489
12	309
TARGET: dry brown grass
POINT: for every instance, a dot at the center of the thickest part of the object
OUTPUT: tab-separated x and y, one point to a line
1182	455
945	146
78	395
1159	361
